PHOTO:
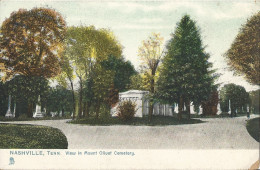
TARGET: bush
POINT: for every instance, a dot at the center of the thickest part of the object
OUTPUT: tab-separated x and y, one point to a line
253	128
23	116
31	137
126	110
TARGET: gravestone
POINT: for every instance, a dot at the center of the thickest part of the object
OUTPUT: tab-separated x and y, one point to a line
192	108
38	113
200	110
176	108
9	112
229	107
14	109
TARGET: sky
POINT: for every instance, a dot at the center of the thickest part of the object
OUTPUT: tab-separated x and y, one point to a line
134	21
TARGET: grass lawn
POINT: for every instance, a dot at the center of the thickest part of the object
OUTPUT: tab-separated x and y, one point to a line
222	115
253	129
156	121
18	136
22	118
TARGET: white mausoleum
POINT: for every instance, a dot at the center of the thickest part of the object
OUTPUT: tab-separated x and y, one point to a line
142	104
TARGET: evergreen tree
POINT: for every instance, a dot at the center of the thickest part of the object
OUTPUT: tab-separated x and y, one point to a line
185	74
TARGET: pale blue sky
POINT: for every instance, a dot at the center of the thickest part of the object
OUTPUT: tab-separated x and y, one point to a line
134	21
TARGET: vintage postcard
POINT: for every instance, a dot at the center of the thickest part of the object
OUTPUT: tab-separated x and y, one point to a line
122	84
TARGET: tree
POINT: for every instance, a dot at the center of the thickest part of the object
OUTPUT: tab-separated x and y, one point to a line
102	82
254	101
27	88
59	99
238	97
122	70
3	98
243	55
86	48
136	82
66	77
185	74
151	52
31	42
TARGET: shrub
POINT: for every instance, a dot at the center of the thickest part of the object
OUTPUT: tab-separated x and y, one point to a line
23	116
16	136
126	110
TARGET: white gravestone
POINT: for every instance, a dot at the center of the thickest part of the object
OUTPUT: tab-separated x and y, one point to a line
200	110
14	109
229	107
176	108
9	112
218	107
192	108
38	113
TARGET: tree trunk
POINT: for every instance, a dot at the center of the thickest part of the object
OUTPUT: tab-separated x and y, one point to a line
187	104
180	108
150	111
30	110
62	112
73	99
152	92
97	109
80	97
87	109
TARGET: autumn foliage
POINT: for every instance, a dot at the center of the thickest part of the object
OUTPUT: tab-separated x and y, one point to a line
243	56
31	42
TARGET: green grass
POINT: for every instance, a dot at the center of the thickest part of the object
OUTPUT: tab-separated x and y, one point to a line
23	118
18	136
253	129
222	115
156	121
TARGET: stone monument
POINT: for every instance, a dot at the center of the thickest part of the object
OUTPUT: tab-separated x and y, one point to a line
176	108
38	113
229	107
9	112
218	107
14	109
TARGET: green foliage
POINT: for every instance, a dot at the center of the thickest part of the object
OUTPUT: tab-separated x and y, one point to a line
126	110
136	82
253	128
123	71
237	95
3	98
136	121
59	99
27	88
31	137
185	73
254	101
87	48
243	55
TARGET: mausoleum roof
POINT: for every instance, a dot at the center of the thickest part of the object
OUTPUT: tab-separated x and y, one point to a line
134	92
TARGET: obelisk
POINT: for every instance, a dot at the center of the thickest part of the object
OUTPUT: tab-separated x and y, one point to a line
229	107
38	111
9	112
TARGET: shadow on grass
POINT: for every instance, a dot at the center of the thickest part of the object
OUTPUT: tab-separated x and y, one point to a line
253	128
21	136
156	121
4	119
222	115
